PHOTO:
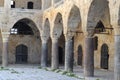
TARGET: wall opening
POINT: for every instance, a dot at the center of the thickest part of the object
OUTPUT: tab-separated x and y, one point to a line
80	55
23	28
21	54
95	43
30	5
12	4
99	27
104	56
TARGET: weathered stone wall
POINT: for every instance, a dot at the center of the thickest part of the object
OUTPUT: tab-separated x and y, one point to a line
86	10
32	42
102	39
23	3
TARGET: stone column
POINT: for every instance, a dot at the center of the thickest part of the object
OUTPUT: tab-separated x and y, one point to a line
44	52
69	53
5	52
117	54
55	56
89	57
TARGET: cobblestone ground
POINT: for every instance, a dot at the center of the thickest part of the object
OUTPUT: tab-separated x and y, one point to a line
17	72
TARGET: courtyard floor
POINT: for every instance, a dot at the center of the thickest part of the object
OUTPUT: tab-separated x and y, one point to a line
32	72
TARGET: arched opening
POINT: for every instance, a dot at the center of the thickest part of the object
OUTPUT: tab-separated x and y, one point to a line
74	26
12	4
101	15
30	5
58	32
49	51
61	59
74	19
21	54
104	56
23	28
61	49
25	32
80	55
46	32
99	27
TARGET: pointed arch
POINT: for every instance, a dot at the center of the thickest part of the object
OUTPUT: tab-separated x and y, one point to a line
46	28
58	25
74	18
98	12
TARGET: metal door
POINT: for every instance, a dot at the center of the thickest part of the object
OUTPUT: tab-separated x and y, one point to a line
21	54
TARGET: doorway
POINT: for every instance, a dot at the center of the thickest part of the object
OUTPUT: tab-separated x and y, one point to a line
21	54
80	55
61	55
104	56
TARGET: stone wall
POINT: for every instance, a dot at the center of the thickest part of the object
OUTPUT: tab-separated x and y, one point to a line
23	3
32	42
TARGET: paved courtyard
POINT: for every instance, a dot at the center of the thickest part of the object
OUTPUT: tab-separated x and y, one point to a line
32	72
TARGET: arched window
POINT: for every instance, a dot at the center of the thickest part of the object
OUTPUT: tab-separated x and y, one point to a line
104	56
12	4
30	5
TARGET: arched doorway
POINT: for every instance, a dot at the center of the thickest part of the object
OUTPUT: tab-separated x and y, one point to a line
80	55
30	5
21	54
104	56
25	32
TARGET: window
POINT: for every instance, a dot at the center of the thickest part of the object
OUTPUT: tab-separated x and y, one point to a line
30	5
12	4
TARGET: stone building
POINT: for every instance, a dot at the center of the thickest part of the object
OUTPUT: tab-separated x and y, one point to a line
61	32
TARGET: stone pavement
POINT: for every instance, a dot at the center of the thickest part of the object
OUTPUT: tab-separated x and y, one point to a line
32	72
17	72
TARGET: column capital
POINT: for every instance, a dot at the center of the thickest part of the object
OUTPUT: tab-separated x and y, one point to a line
90	32
44	39
54	39
69	36
5	36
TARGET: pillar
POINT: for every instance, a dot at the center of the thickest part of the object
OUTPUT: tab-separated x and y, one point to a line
117	53
44	53
55	56
69	54
5	52
89	57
